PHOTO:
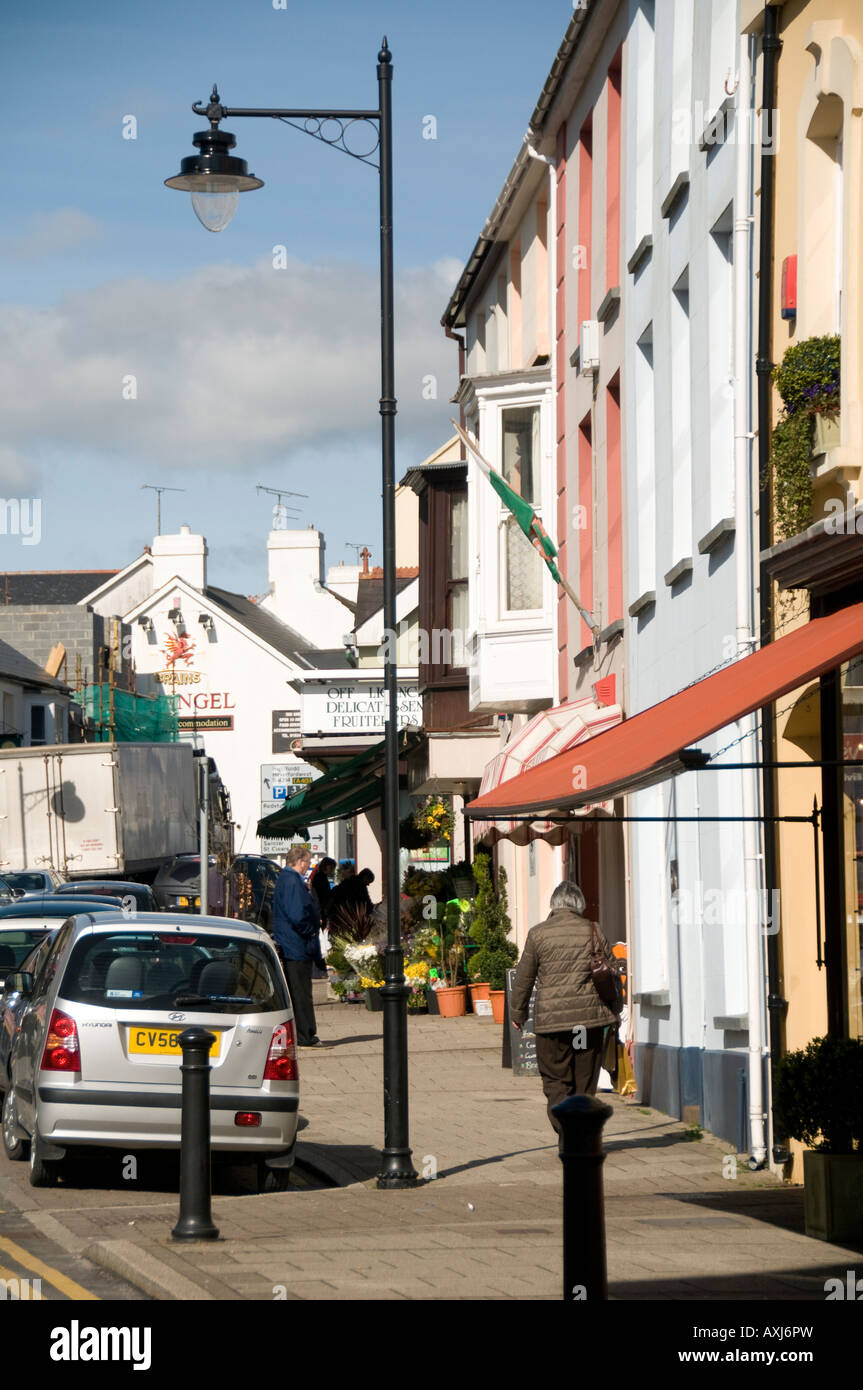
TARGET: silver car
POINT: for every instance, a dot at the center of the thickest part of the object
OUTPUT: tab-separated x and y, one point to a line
95	1061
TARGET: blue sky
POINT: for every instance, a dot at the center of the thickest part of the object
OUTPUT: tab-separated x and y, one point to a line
243	373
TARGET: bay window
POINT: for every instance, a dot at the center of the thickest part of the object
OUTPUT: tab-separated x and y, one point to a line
521	462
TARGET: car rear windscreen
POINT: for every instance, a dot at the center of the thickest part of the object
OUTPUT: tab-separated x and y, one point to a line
174	970
26	883
184	871
15	946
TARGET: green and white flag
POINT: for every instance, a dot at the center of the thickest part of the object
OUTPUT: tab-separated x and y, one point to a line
528	521
523	512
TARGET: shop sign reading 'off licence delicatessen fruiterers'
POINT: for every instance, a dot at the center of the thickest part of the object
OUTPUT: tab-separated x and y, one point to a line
357	707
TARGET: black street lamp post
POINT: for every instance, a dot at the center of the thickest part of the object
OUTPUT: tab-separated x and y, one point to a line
215	178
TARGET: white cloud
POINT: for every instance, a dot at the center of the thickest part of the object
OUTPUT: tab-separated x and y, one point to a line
50	234
230	365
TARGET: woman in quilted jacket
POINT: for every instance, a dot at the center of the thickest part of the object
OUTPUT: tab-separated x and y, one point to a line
570	1019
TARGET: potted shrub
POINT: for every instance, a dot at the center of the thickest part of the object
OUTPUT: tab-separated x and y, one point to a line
807	379
450	992
818	1100
372	988
490	930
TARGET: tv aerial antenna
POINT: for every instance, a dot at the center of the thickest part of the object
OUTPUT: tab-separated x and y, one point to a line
280	511
153	487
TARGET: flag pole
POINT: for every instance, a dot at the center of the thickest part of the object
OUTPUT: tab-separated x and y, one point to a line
561	579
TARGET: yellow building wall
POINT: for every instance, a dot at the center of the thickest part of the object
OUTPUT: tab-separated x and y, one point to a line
817	217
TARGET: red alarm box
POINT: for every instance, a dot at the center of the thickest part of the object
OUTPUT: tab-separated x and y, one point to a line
603	690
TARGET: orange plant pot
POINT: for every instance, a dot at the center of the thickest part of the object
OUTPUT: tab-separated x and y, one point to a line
478	991
452	1002
497	997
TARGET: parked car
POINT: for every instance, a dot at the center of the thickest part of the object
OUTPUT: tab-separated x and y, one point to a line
33	880
177	885
7	893
26	933
24	922
143	896
95	1058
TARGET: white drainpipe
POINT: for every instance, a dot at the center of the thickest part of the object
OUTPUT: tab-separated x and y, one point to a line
744	559
560	695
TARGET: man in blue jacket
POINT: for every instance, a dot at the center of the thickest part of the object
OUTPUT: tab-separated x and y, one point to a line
296	927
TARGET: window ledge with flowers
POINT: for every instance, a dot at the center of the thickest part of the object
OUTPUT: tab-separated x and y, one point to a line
806	439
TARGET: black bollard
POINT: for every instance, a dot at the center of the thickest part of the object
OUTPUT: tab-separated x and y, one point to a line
196	1222
582	1119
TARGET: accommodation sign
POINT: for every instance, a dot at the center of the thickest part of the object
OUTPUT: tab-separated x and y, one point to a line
356	707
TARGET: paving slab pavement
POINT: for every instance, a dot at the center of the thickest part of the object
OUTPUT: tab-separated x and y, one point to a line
486	1222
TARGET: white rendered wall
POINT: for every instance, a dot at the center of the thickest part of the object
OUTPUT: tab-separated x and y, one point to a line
678	428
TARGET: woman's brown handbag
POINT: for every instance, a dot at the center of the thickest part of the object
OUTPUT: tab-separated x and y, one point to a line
605	974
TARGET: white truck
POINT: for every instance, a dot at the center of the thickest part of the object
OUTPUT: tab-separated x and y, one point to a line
92	809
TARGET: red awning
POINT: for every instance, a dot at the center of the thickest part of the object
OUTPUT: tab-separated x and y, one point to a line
647	748
550	732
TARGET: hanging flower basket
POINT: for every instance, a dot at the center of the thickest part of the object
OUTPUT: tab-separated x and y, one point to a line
434	819
413	837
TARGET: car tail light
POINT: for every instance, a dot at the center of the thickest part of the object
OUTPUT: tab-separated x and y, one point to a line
61	1046
247	1119
282	1056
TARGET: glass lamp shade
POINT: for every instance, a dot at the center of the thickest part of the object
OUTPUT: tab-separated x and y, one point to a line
214	206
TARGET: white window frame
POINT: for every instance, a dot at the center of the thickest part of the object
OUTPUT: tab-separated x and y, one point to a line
491	403
504	515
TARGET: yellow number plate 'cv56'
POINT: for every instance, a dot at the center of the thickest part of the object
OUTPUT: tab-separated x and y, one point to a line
161	1042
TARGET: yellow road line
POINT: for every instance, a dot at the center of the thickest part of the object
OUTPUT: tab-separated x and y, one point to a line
47	1272
8	1276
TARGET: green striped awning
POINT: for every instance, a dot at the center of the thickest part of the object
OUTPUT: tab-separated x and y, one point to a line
345	790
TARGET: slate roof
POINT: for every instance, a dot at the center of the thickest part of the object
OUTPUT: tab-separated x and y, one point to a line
370	596
14	666
50	586
269	628
332	659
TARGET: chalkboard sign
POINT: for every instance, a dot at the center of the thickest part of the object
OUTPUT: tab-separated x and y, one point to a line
519	1045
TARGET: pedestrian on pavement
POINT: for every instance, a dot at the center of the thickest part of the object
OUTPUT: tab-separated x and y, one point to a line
350	911
322	892
321	887
296	928
570	1020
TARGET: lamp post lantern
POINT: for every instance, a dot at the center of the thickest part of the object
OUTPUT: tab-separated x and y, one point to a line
215	178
